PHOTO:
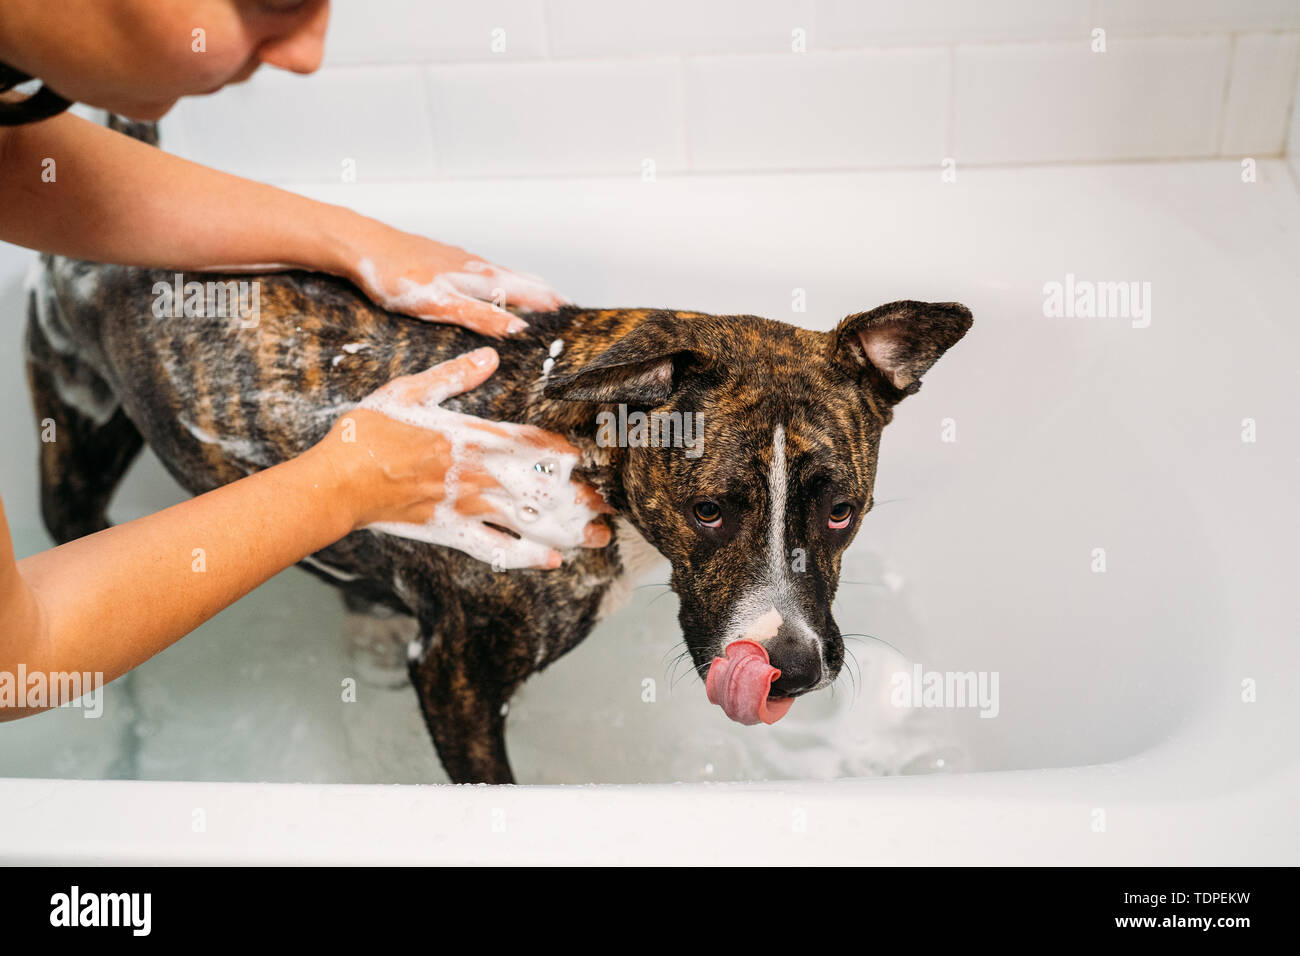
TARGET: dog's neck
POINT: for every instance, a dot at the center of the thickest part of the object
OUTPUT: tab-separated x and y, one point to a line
571	339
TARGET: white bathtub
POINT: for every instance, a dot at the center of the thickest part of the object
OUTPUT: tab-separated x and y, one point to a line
1124	732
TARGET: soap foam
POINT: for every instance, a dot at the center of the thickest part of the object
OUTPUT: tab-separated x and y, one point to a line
451	292
533	495
351	348
551	355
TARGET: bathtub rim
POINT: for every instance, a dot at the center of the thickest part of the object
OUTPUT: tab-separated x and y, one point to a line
1149	808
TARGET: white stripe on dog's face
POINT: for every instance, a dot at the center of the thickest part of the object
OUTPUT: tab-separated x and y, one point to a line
777	591
777	489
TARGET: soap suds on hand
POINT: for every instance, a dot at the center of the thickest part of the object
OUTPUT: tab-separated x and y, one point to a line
534	494
479	283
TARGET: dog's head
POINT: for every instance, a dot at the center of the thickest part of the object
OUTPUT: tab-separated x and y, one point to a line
751	458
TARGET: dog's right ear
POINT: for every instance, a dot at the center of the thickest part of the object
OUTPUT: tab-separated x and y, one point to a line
643	368
895	344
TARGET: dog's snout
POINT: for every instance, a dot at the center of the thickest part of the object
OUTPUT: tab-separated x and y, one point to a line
799	663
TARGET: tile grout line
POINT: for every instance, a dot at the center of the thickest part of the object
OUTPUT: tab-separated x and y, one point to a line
681	69
434	138
1222	133
548	51
938	43
683	79
950	134
1290	141
615	174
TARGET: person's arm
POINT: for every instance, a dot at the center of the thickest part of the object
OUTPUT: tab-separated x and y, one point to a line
73	188
110	601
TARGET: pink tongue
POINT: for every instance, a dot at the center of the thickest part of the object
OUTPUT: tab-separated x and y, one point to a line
741	682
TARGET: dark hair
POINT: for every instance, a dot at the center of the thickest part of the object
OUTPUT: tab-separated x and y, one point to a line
42	104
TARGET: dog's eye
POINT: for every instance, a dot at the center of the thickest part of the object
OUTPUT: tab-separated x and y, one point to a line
708	514
841	515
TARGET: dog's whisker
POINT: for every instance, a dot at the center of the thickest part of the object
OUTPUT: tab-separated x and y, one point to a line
698	668
672	668
672	685
855	681
879	640
656	598
832	684
845	670
681	643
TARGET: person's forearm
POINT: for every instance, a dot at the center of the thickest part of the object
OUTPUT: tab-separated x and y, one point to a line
109	198
110	601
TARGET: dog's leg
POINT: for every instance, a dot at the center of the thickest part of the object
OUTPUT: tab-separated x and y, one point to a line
83	455
465	714
377	639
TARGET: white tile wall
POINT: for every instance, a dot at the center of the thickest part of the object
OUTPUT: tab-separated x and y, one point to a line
413	89
1293	137
1259	93
1142	98
856	23
602	117
1192	16
605	28
280	126
423	31
818	110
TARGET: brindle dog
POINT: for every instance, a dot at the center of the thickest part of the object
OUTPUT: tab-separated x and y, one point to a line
792	422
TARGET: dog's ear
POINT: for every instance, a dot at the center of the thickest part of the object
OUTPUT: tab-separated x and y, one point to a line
895	344
642	368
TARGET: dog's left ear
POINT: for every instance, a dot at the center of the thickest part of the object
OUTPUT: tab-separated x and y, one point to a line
896	344
644	367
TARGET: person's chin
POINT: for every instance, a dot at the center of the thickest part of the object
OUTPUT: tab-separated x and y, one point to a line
244	73
144	112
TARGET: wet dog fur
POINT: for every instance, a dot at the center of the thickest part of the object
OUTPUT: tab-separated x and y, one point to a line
792	422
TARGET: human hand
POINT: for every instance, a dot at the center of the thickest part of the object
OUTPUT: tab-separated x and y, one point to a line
415	275
414	469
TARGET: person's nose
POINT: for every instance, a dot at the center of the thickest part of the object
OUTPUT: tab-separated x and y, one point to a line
302	46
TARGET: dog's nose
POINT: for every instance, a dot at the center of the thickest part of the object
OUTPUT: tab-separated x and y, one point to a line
800	665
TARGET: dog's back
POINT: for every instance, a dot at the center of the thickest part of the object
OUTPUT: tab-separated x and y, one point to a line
222	392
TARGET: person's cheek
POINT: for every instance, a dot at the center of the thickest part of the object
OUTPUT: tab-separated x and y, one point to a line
198	52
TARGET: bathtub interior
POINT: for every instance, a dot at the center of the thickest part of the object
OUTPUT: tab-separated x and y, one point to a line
1070	435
